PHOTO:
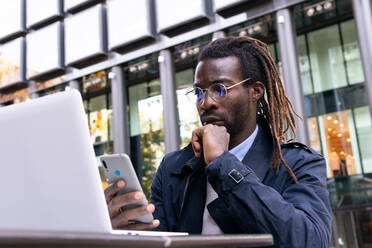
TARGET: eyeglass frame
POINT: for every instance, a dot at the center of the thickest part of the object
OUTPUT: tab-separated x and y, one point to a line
205	90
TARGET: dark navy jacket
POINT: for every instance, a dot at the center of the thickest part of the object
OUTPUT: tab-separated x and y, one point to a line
252	198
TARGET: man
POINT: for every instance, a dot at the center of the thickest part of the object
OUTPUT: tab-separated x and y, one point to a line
239	175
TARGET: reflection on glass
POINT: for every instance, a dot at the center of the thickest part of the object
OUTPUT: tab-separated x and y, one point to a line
94	82
327	63
353	226
53	90
365	225
150	112
15	97
341	145
99	117
173	12
188	114
43	50
119	12
313	130
352	54
272	51
100	124
146	129
345	135
49	83
364	131
82	34
110	117
10	55
39	10
10	17
303	60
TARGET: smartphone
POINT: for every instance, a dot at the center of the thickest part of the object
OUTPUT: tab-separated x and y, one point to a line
119	166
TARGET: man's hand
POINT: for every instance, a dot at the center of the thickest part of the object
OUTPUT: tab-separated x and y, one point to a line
122	219
212	140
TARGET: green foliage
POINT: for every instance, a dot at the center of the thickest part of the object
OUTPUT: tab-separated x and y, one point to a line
152	144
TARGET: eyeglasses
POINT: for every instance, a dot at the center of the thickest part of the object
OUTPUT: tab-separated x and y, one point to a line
217	92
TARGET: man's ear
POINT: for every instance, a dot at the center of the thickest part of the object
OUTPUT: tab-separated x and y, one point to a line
257	90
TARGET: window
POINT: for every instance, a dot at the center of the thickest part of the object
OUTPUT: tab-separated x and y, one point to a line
332	78
146	130
328	70
188	114
303	60
340	143
313	127
98	108
364	132
351	51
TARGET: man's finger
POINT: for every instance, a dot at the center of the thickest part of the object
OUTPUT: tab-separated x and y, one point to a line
196	142
113	188
124	218
143	226
123	200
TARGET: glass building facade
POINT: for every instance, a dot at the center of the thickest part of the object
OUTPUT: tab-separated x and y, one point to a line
48	53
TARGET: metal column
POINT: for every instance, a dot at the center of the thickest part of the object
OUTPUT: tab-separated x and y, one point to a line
74	84
168	90
363	19
119	109
292	78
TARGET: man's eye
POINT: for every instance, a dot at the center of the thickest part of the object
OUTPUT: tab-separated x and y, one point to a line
219	90
198	93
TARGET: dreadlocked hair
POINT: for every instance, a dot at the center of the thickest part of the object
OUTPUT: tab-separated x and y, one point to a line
257	64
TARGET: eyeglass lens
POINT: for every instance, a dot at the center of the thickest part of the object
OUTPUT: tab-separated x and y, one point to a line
215	91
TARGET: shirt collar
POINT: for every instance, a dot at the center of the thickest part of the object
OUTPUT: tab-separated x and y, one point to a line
241	150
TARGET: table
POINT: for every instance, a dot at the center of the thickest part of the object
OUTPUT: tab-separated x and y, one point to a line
30	239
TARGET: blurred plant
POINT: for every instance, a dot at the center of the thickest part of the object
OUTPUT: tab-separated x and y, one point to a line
152	144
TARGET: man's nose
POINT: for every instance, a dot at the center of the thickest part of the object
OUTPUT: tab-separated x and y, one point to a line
208	102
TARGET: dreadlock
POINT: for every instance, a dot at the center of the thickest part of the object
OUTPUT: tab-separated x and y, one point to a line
257	64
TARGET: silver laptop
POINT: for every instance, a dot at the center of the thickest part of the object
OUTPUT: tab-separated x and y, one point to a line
49	180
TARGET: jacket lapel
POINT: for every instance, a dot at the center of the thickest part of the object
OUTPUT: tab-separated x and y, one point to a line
193	200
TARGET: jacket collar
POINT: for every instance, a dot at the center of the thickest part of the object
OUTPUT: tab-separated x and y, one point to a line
259	156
